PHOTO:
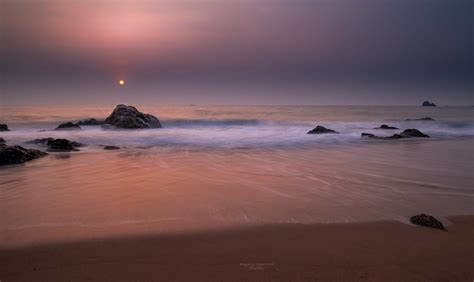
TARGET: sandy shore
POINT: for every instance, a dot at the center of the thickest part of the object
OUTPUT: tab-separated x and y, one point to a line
378	251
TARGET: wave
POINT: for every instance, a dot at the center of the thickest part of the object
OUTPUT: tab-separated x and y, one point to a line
239	133
210	122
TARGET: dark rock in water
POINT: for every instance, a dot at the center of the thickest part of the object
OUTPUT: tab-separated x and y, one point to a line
428	104
129	117
427	221
413	133
111	148
394	136
18	155
41	141
48	141
90	121
409	133
384	126
4	127
62	145
2	141
420	119
68	126
321	130
368	135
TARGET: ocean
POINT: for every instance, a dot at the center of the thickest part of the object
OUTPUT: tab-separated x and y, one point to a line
213	167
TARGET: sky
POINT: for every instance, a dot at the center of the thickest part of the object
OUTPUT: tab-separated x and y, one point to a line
326	52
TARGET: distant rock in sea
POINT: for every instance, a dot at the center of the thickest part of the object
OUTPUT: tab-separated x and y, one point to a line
40	141
384	126
90	121
18	155
4	127
428	104
129	117
57	145
68	126
111	148
62	145
427	221
421	119
412	132
321	130
368	135
408	133
2	141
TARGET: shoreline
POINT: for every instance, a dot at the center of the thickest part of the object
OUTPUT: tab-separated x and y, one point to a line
371	251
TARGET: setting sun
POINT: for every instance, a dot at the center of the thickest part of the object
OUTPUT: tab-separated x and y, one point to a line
122	82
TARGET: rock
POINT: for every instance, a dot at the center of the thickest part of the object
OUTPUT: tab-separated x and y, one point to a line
111	148
18	155
68	126
4	127
428	104
2	141
395	136
62	145
50	140
427	221
367	135
41	141
90	121
321	130
384	126
413	133
421	119
409	133
129	117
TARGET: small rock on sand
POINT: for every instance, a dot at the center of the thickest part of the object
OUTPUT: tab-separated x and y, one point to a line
427	221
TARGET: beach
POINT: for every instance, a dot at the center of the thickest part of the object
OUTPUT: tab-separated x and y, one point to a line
237	193
387	251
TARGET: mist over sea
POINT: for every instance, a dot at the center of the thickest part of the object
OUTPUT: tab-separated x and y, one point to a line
224	166
241	126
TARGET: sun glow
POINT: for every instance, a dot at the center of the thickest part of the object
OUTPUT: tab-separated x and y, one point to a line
121	82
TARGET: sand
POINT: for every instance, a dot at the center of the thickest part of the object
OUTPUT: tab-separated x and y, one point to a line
379	251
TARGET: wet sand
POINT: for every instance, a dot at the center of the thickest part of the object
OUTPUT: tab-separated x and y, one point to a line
380	251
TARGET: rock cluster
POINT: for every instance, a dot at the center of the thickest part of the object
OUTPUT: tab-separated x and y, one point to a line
129	117
57	145
321	130
408	133
18	154
62	145
427	221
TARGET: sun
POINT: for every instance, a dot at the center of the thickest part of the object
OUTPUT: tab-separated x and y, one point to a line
121	82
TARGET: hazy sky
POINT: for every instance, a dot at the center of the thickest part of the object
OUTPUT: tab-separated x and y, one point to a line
237	52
